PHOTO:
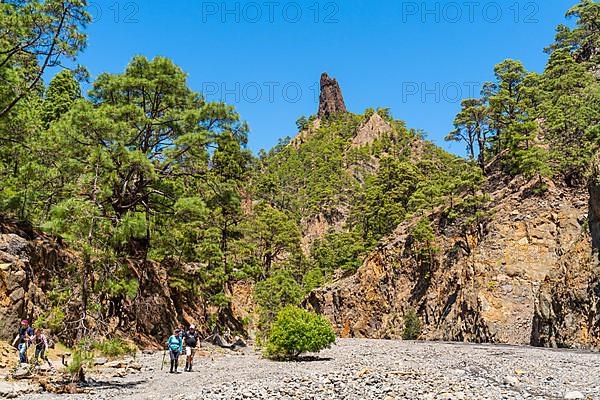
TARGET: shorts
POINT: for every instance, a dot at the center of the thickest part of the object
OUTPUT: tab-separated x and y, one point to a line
190	351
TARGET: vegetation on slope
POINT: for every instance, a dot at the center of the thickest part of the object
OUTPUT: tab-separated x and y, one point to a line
370	189
544	125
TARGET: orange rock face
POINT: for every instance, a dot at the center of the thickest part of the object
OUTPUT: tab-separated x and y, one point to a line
501	282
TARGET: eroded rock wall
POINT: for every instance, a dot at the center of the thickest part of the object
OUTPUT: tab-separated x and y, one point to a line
29	263
567	312
480	286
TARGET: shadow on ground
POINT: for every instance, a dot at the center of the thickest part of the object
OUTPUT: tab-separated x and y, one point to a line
91	384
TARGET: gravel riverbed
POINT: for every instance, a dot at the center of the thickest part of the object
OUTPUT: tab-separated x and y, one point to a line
366	369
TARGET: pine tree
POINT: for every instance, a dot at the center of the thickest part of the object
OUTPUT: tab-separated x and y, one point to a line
472	127
42	35
62	92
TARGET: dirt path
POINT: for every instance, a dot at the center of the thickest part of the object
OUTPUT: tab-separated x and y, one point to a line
367	369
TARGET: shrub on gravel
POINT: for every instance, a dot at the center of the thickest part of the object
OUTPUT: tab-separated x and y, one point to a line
82	358
412	326
298	331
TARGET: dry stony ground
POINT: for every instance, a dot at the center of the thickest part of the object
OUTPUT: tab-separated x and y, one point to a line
365	369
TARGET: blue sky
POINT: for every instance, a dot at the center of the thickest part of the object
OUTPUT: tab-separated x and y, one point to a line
265	57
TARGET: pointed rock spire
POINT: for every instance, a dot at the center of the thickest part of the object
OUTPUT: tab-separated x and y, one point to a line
331	101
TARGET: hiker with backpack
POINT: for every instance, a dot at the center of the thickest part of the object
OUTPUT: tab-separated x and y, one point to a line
22	340
175	346
191	339
40	341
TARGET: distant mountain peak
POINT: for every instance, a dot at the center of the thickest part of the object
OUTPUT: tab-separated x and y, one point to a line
331	101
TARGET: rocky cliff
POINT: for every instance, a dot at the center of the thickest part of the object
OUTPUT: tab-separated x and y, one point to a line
491	282
568	306
35	268
28	262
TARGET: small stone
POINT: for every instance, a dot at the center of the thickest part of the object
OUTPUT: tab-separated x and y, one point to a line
520	372
511	381
116	364
136	366
7	390
100	361
120	374
43	368
574	395
445	396
22	371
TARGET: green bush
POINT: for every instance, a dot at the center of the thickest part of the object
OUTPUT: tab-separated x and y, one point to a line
412	326
298	331
115	347
82	358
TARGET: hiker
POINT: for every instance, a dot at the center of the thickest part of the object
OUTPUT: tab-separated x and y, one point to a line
191	338
175	346
41	347
22	340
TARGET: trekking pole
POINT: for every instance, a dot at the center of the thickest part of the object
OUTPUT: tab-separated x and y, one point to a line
162	365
